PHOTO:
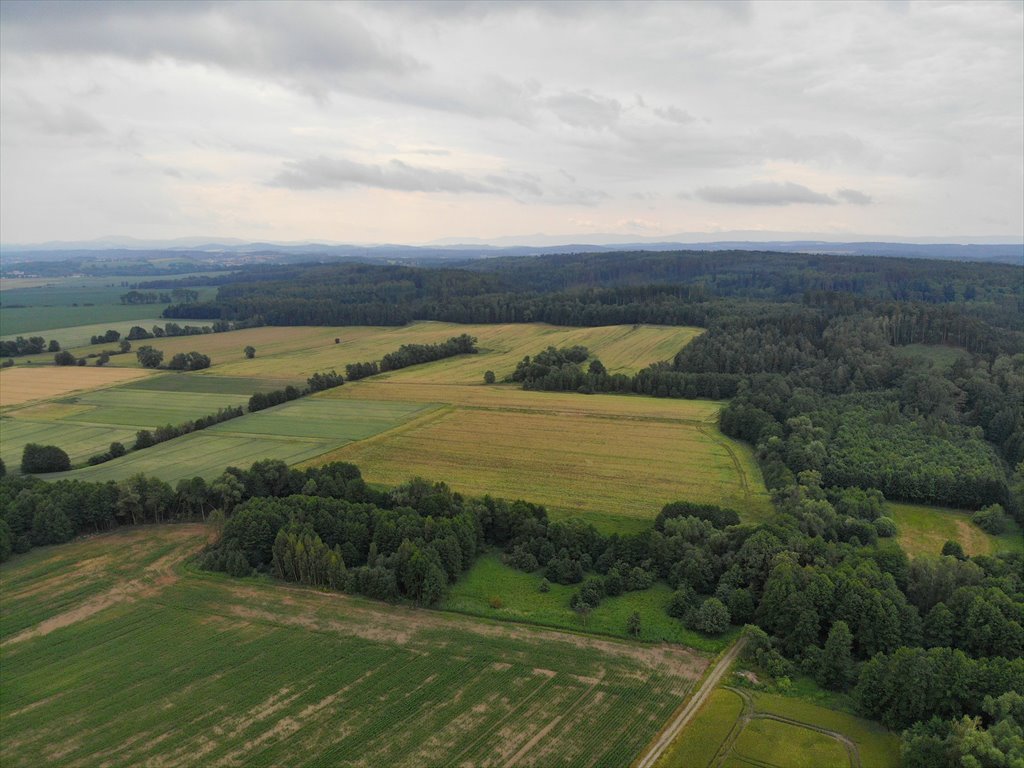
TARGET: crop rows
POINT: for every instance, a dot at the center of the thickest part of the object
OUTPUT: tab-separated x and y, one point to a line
213	671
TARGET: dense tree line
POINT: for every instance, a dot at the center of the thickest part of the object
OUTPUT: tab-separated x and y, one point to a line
33	345
413	354
146	439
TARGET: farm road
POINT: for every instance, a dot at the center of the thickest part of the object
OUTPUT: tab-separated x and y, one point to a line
693	706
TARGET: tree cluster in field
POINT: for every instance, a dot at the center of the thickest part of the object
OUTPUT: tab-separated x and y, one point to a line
44	458
33	345
559	370
179	295
413	354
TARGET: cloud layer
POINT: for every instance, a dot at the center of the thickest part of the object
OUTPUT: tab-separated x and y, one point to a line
409	121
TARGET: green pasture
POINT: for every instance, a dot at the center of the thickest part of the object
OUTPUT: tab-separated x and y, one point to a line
704	735
38	311
922	530
80	441
339	421
199	454
739	728
293	432
213	671
146	409
76	336
521	600
215	385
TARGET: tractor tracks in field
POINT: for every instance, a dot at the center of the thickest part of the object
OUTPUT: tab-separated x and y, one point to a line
750	713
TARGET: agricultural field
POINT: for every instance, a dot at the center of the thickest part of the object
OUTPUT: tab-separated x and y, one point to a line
65	303
299	352
614	459
737	727
922	530
76	338
601	460
298	676
497	591
292	432
24	384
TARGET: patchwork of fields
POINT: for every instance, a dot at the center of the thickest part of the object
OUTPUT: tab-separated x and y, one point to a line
614	459
221	672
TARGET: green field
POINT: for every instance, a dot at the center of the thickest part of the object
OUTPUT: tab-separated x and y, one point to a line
737	728
57	309
80	441
292	432
216	385
923	530
142	409
76	337
522	600
178	668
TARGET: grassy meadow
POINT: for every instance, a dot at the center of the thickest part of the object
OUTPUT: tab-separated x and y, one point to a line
922	530
63	304
292	432
496	591
217	671
738	728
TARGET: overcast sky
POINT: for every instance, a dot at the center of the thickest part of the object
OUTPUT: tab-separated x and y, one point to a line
407	122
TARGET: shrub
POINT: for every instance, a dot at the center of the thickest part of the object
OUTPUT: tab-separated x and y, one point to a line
712	617
885	527
44	458
495	602
489	377
991	519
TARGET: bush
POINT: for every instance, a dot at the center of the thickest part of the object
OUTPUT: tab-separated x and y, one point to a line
991	519
495	602
683	601
64	358
885	527
545	586
712	617
44	458
489	377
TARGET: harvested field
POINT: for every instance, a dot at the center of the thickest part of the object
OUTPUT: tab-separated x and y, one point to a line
28	383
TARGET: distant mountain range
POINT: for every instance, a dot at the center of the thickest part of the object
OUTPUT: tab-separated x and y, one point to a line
233	250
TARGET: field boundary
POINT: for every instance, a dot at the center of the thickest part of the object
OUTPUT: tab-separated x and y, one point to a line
691	707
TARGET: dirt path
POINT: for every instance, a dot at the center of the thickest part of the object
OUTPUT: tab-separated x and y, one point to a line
692	707
750	713
154	579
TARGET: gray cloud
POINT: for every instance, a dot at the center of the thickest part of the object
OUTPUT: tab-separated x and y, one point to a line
314	46
339	173
764	193
584	109
854	196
